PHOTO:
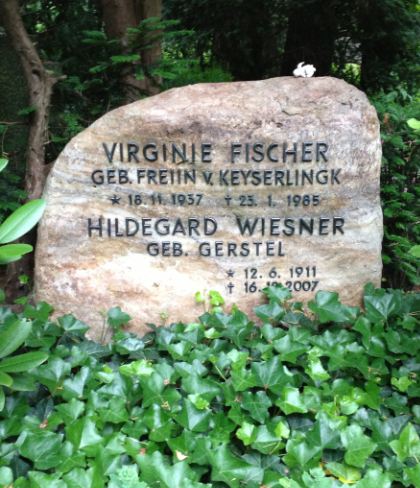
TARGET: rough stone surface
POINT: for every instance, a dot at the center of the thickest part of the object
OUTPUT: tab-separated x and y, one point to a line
86	275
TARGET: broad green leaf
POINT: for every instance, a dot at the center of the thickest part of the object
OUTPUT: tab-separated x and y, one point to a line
328	308
346	474
137	368
156	471
413	474
271	375
74	387
12	335
325	434
71	411
83	433
198	401
23	362
291	401
374	478
415	251
3	163
21	221
408	444
193	419
13	252
267	441
79	478
6	474
358	446
379	304
300	453
289	349
247	433
43	447
42	480
316	370
5	379
414	124
117	318
73	325
243	379
232	470
278	293
257	404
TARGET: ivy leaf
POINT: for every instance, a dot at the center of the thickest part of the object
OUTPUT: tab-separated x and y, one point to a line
73	325
156	471
83	433
413	474
328	308
267	441
358	446
42	447
194	419
79	478
325	433
74	387
374	478
291	401
257	404
346	474
137	368
300	453
231	469
278	293
379	304
408	444
42	480
271	375
247	433
117	318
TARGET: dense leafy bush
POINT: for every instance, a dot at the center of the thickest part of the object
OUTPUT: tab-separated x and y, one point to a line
321	401
400	189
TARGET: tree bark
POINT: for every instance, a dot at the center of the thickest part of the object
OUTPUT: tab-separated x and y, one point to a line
118	16
40	84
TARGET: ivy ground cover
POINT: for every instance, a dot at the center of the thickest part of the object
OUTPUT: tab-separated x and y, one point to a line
323	399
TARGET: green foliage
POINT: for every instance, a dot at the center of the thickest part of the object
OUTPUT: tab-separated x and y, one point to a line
400	190
16	225
295	402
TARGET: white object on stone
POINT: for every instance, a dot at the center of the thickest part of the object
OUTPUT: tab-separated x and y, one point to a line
304	70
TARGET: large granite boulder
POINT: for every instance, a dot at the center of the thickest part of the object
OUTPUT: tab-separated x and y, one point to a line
226	187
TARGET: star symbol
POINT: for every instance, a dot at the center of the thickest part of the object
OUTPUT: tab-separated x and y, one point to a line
115	200
231	273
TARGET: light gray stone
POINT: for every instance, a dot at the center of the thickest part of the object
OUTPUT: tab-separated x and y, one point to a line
87	275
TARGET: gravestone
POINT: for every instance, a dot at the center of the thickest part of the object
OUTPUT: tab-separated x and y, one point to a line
228	187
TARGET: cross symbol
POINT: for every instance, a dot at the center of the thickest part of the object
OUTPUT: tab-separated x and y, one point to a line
228	199
230	286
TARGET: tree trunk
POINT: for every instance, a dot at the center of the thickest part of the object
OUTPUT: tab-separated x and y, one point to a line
40	84
118	16
310	36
